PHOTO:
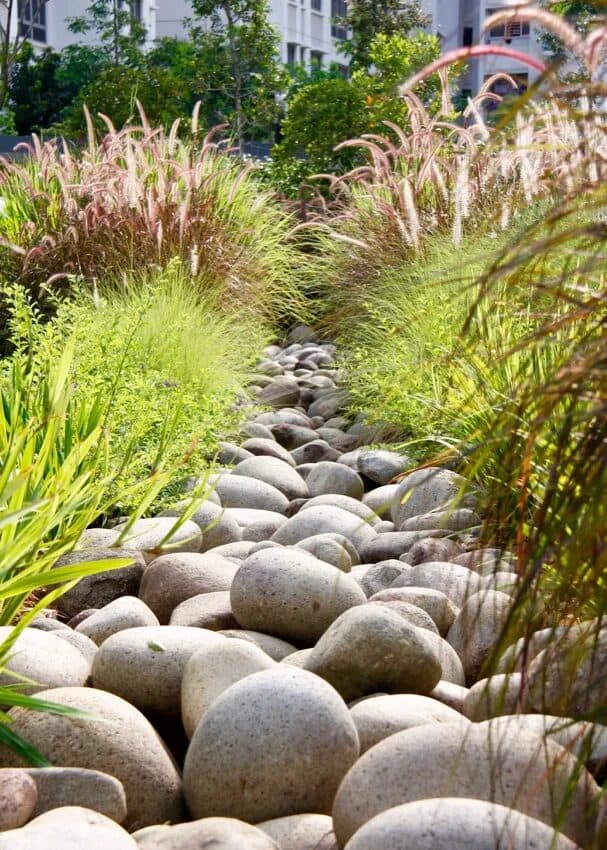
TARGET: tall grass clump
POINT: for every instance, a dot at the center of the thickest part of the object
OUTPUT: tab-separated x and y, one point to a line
55	481
137	199
170	363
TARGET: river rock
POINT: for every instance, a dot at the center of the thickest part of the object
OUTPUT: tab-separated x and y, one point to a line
281	392
229	454
242	491
426	490
125	613
256	736
371	649
314	452
211	670
431	549
333	549
499	694
299	658
276	648
451	665
75	786
18	795
321	519
380	500
171	579
217	527
301	832
377	717
412	614
206	611
293	436
82	643
453	823
125	745
380	576
275	472
45	659
68	828
450	694
327	478
461	519
520	770
433	602
99	590
346	503
211	833
291	594
145	665
158	536
457	583
389	544
478	629
269	448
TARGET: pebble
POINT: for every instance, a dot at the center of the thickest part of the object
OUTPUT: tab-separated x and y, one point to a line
275	472
158	535
243	491
45	659
433	602
99	590
276	648
217	527
18	796
425	490
301	832
246	756
206	611
291	594
321	519
171	579
145	665
453	823
68	828
123	744
477	630
370	649
457	583
211	670
76	786
124	613
327	477
211	833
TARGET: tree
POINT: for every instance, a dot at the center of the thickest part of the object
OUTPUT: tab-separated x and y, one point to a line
581	15
117	27
369	18
15	30
243	59
43	86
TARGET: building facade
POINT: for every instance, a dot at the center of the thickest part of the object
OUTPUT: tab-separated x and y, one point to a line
309	34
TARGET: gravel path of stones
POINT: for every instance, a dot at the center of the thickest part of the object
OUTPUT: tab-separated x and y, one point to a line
300	665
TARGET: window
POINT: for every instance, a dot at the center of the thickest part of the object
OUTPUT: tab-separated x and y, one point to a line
316	59
468	37
513	29
136	9
291	54
316	5
32	19
339	11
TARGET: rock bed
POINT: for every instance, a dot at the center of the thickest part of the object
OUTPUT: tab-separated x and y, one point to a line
299	665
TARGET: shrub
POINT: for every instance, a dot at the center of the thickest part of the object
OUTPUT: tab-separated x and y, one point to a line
136	200
170	363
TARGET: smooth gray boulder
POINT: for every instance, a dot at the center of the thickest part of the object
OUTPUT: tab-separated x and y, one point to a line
328	478
378	717
499	694
371	649
81	642
332	549
242	491
321	519
18	797
45	659
206	611
274	647
477	630
77	786
457	583
291	594
98	590
380	576
453	823
426	490
125	613
431	549
171	579
280	392
459	519
68	828
451	665
256	736
520	770
211	670
434	602
301	832
275	472
412	614
314	452
159	536
229	454
124	745
145	665
380	500
269	448
205	834
450	694
378	465
217	528
346	503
